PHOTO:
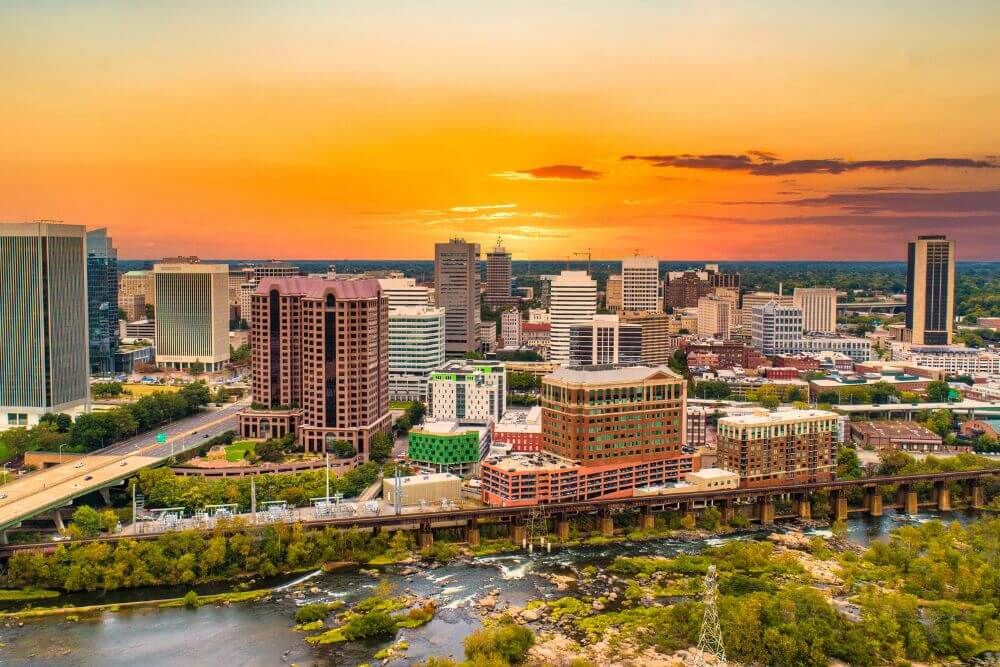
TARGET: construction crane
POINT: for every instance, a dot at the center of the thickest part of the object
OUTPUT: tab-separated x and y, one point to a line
587	255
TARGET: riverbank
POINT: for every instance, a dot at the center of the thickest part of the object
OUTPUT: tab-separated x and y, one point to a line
189	600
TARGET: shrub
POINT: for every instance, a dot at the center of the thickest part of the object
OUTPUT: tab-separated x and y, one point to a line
505	639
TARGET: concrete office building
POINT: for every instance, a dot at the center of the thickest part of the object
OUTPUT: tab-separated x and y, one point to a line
102	301
656	335
714	317
416	347
613	294
320	359
641	289
405	292
776	328
510	327
470	392
930	290
819	308
456	289
574	301
43	314
192	315
136	283
605	340
790	446
499	276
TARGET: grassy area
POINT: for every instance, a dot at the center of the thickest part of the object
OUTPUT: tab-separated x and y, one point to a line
235	452
238	596
4	455
19	594
137	390
400	405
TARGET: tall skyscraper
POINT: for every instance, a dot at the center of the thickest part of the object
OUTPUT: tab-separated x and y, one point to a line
776	329
574	301
605	340
320	358
930	290
641	289
43	315
456	285
192	315
510	327
819	308
715	317
416	347
613	294
102	301
498	276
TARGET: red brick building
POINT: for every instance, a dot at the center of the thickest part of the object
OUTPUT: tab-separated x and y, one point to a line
320	359
780	373
730	353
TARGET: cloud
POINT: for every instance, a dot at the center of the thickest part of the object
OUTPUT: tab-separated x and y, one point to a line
555	172
760	163
968	202
480	207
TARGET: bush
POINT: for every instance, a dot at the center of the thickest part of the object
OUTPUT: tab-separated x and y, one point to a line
191	599
308	613
505	640
371	625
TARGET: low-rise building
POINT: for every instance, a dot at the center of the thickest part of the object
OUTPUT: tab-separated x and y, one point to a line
907	436
975	428
521	429
424	489
447	446
130	355
535	335
955	359
767	448
839	383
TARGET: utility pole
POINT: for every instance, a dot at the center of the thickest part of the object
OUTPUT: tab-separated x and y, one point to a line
710	639
133	501
328	477
398	492
253	498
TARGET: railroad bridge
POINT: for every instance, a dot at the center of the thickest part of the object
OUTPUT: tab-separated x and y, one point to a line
761	499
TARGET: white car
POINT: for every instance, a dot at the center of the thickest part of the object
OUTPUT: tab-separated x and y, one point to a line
79	465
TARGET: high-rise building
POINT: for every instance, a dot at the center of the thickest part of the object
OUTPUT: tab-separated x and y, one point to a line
930	290
102	301
776	328
136	283
43	315
405	292
192	315
656	350
574	301
682	289
320	358
605	340
714	317
510	327
498	277
470	392
456	289
819	308
641	289
769	448
274	269
416	347
613	293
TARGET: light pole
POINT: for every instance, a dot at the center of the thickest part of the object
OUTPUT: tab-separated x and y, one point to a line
61	452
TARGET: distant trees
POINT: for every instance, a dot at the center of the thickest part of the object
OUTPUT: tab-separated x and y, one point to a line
938	391
715	389
239	355
523	381
106	389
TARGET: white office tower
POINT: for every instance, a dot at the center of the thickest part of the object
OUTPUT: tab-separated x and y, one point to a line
574	301
715	315
470	392
404	292
641	286
192	315
416	347
776	329
43	319
819	308
510	327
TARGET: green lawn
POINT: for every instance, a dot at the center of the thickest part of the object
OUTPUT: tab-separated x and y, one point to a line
400	405
234	452
4	452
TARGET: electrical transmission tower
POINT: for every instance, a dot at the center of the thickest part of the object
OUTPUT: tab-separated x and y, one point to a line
536	528
710	639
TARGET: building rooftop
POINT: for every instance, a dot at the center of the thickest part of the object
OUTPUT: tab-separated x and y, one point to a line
895	430
366	288
471	366
446	427
535	461
760	418
609	374
428	478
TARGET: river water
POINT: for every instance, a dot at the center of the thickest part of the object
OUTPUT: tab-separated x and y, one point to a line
261	633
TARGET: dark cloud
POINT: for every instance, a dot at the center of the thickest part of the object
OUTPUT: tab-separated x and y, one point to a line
760	163
973	202
562	172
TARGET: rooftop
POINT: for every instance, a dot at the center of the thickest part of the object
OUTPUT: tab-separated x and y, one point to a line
609	374
445	427
367	288
538	461
895	430
782	417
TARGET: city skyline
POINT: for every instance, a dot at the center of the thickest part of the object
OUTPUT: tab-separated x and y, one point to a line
795	131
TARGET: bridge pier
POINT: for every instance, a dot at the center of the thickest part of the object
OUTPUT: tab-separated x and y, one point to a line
873	501
376	530
728	510
942	493
647	521
765	510
974	492
607	524
562	528
3	537
518	534
425	538
802	506
105	495
472	532
838	505
57	517
908	499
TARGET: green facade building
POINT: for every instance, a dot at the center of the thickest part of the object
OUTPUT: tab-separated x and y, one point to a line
449	447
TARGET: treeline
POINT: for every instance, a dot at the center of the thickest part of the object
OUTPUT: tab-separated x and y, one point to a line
96	430
190	557
162	488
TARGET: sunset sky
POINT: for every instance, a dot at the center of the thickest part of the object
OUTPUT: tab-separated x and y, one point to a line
371	129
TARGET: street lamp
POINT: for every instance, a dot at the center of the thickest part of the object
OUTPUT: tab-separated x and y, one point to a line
61	452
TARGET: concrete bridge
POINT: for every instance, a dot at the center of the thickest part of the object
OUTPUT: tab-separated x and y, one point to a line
761	501
869	307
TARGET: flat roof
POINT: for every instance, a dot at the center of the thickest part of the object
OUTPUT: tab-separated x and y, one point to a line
423	478
896	430
609	374
713	473
781	417
447	427
534	461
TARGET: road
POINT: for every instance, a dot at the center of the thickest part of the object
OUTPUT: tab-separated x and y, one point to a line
58	486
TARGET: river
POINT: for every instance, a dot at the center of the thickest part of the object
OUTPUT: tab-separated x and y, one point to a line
262	634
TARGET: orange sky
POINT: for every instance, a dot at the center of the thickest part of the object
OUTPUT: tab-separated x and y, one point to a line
372	129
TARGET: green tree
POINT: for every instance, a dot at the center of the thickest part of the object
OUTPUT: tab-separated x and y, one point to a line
940	421
197	367
87	521
848	463
938	391
714	389
381	447
504	639
342	449
370	625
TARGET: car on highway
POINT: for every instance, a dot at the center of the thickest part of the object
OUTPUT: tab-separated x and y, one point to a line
79	465
2	496
88	478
